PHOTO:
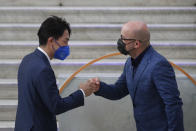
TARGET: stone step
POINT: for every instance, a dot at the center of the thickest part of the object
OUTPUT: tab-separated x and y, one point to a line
8	110
82	49
8	89
160	32
9	68
112	15
7	125
8	107
97	3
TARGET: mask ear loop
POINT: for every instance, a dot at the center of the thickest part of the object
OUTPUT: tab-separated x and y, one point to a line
57	43
53	48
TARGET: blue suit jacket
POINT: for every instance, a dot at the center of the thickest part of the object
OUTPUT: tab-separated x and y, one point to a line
154	93
38	97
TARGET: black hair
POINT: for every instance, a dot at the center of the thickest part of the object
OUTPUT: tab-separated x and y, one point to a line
52	27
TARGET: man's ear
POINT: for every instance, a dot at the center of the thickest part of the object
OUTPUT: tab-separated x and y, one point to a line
137	44
50	40
50	43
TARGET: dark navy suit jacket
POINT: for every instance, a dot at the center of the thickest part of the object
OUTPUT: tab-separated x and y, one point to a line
154	92
38	97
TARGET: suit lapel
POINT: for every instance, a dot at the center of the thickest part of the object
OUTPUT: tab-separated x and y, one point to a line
139	72
131	79
141	68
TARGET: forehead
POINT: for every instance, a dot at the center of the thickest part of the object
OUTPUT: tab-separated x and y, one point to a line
126	31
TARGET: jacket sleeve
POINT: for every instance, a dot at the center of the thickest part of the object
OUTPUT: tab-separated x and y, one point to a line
48	91
165	82
114	91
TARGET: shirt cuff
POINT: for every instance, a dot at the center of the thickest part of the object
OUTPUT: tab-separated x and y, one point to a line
83	93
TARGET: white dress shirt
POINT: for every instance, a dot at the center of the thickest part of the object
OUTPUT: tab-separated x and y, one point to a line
44	53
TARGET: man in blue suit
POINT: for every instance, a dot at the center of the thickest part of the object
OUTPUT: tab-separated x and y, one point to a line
149	79
38	97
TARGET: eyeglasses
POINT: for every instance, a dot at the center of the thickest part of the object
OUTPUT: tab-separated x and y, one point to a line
126	39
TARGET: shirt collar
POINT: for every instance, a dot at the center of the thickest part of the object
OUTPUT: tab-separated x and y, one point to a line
40	49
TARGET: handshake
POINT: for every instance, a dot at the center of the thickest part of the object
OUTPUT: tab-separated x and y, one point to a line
90	86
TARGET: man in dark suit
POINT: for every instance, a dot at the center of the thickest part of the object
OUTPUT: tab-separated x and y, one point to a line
149	79
38	97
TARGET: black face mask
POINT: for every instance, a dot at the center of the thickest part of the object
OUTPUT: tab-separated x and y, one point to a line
121	47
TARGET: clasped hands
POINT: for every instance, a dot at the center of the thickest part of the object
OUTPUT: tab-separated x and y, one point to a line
90	86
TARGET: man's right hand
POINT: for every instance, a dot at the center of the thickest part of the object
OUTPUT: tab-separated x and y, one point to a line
96	83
